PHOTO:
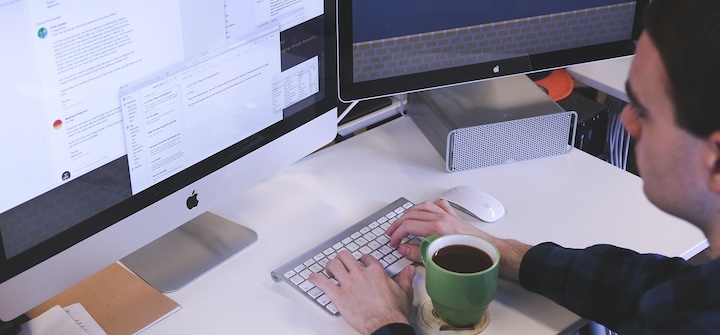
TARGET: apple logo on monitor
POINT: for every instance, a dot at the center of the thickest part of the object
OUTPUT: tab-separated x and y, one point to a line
192	201
496	69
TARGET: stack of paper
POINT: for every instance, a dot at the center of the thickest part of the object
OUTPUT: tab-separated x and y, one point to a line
71	320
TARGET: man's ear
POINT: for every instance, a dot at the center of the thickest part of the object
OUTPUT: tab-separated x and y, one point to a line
713	160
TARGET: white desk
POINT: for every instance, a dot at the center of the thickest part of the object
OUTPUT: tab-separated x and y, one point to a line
607	76
574	199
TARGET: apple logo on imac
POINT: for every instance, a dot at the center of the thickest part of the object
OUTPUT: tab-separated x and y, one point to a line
192	201
496	69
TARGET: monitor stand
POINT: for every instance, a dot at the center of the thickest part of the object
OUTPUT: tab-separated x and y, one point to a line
187	252
9	328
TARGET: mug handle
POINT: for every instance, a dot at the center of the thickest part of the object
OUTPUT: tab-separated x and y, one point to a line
423	247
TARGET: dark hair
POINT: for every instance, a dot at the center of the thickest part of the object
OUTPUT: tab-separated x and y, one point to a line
687	36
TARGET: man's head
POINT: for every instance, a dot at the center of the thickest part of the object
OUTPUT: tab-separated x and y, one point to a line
687	36
674	86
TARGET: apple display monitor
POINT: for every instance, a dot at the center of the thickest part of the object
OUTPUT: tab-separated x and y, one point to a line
391	47
126	120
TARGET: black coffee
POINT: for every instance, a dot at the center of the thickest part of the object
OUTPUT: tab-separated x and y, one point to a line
462	259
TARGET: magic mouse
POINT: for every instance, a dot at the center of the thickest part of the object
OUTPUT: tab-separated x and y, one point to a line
474	202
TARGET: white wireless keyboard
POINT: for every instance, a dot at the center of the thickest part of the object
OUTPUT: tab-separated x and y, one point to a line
367	236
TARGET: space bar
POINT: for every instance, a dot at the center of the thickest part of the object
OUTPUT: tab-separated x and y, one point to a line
395	268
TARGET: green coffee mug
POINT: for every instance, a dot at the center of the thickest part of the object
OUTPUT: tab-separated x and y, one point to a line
460	280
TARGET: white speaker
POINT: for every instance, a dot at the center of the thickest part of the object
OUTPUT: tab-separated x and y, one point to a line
492	122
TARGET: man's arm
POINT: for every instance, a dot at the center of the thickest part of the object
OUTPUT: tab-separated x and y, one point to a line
602	283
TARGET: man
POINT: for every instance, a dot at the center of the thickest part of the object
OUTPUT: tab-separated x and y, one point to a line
675	119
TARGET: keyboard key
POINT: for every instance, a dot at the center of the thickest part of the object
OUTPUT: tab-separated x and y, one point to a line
379	255
306	285
352	246
316	268
330	307
390	258
395	268
315	292
385	249
365	250
306	273
323	299
297	279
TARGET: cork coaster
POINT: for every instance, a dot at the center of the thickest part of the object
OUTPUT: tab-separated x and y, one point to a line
432	324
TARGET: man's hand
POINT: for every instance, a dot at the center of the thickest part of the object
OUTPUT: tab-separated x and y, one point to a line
366	296
425	219
440	219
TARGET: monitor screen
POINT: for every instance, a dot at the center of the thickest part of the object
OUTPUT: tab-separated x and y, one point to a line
386	48
118	112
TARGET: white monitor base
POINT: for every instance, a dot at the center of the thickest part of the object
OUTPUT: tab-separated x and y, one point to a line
187	252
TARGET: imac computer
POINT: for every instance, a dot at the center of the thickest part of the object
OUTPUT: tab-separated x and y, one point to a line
127	120
391	47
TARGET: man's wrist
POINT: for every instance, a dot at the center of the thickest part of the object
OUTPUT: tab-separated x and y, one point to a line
375	324
397	328
511	256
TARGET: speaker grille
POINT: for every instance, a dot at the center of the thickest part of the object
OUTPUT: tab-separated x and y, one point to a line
507	142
